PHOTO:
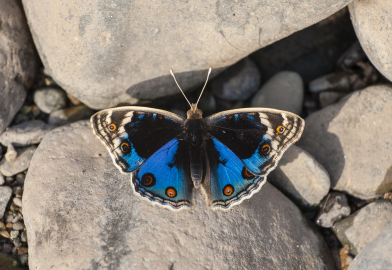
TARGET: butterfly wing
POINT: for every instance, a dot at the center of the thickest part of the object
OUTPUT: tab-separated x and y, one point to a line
230	182
164	178
133	134
257	136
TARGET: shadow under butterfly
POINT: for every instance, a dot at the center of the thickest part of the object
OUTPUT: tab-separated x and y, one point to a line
228	154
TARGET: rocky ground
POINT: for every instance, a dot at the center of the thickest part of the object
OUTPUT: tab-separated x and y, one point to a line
64	205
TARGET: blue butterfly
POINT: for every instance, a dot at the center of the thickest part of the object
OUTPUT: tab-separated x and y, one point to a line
228	154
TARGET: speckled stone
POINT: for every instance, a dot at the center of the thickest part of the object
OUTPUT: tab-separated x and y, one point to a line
5	195
333	209
50	99
20	164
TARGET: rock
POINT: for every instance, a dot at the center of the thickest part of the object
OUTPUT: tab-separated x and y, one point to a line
17	242
24	259
284	91
14	234
300	177
334	209
2	180
352	56
338	134
238	82
345	257
24	134
329	98
17	201
9	219
17	190
129	232
7	248
311	52
20	164
376	255
2	226
69	115
5	195
23	236
18	60
50	99
106	46
18	226
338	81
20	178
22	250
372	22
5	234
361	228
11	154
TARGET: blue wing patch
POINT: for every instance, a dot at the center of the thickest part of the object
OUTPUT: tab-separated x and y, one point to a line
164	178
230	181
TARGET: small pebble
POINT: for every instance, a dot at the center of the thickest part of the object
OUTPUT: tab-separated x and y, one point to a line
387	196
7	248
22	250
2	180
328	98
2	225
9	218
18	202
24	258
339	81
5	234
14	234
5	195
50	99
17	242
18	226
333	209
17	190
11	154
70	115
15	263
20	178
21	163
13	207
14	252
9	225
23	236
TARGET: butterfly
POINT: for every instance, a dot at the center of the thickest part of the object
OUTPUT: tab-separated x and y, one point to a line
228	154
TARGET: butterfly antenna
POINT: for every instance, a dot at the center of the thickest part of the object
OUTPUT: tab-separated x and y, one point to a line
208	75
171	72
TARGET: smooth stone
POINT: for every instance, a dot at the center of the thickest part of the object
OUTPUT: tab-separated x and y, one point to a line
20	164
339	134
23	236
123	231
301	178
101	46
70	115
17	201
352	56
284	91
5	234
18	226
333	209
338	81
5	195
9	219
238	82
376	255
17	190
18	60
17	243
372	22
364	226
22	250
328	98
2	180
2	226
24	134
11	154
311	52
20	178
50	99
14	234
24	259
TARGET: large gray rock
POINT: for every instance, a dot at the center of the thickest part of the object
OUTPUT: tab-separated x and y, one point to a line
27	133
74	194
301	178
377	254
372	22
120	52
18	60
352	140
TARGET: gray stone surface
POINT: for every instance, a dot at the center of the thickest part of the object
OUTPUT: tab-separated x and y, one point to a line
284	91
338	81
300	177
70	115
238	82
20	164
101	46
11	154
18	60
50	99
372	23
333	209
364	226
357	126
122	231
377	254
2	180
5	195
328	98
24	134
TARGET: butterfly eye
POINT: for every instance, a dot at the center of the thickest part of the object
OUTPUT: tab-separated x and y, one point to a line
148	180
125	147
280	129
112	127
246	174
171	192
265	149
228	190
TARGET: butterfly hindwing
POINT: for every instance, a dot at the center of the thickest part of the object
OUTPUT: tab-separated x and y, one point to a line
258	137
133	134
164	178
230	182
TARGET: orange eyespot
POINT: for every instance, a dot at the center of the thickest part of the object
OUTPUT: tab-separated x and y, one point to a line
125	147
171	192
246	174
112	127
148	180
265	149
280	130
228	190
